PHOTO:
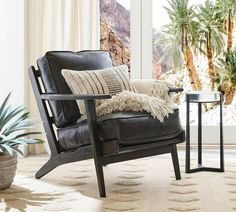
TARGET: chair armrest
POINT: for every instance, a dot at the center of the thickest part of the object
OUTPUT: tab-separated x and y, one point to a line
90	106
175	90
55	97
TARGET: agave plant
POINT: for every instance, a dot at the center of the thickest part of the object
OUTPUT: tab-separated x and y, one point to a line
226	71
14	124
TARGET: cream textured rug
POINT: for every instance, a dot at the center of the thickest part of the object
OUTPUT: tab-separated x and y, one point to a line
136	186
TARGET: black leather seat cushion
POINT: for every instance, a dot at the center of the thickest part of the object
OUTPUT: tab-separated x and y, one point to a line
50	66
122	129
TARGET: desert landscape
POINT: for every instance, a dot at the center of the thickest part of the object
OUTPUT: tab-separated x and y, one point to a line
115	37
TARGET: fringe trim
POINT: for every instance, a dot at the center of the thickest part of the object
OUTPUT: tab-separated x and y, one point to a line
159	105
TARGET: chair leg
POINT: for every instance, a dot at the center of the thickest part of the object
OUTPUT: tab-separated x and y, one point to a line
100	177
45	169
175	161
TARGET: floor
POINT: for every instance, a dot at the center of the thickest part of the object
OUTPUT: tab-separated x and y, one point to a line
140	185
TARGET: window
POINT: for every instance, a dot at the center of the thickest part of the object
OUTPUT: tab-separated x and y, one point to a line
130	33
160	18
115	29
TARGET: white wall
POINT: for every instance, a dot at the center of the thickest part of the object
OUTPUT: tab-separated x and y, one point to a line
12	50
12	73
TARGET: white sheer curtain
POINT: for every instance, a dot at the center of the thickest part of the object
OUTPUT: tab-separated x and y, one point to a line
57	25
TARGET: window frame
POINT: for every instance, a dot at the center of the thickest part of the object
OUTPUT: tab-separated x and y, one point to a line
141	39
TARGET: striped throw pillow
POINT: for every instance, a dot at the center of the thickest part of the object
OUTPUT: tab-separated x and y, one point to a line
104	81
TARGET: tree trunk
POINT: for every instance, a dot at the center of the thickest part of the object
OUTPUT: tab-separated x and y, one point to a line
211	67
193	76
229	91
229	98
230	32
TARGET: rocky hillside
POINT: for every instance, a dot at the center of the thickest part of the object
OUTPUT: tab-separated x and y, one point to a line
118	18
110	41
115	37
166	65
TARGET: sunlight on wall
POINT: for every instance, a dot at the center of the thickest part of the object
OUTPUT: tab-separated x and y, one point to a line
12	50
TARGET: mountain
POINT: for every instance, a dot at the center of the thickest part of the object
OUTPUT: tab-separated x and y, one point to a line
111	42
115	36
117	17
166	65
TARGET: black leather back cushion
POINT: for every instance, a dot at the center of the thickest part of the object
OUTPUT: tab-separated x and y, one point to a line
50	66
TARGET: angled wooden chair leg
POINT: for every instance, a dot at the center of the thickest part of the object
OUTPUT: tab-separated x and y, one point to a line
46	168
175	160
100	177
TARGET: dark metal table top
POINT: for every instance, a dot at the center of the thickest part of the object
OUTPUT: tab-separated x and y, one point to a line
203	96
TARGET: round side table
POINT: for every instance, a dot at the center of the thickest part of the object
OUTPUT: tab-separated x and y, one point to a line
201	97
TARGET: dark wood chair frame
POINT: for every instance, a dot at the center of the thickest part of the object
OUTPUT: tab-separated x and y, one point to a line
59	157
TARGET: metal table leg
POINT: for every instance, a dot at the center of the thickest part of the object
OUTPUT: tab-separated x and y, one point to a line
200	134
187	162
201	168
221	137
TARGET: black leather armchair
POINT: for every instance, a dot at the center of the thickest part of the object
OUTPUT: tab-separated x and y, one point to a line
108	139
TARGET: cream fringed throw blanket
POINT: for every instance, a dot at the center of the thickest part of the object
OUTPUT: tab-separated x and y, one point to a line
152	97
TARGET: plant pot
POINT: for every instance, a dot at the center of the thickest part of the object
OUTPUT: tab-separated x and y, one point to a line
8	166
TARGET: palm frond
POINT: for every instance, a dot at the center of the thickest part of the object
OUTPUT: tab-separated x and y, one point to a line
22	135
4	104
9	115
211	28
226	67
19	120
16	150
7	149
13	126
181	32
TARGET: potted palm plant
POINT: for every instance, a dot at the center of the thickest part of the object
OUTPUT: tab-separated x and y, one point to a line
13	125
